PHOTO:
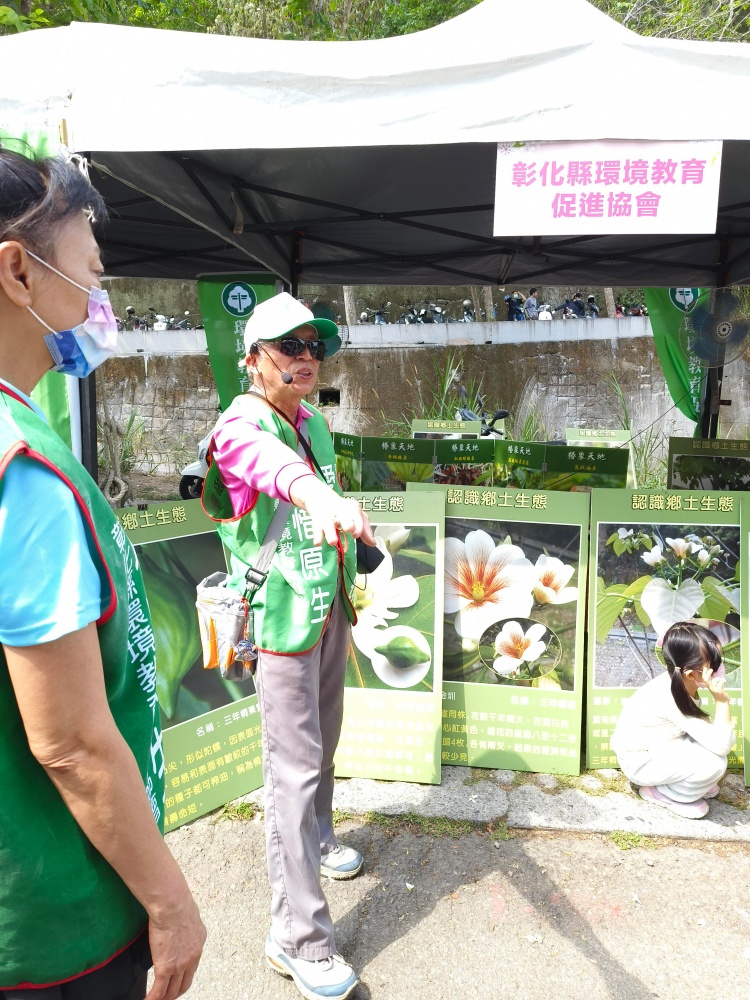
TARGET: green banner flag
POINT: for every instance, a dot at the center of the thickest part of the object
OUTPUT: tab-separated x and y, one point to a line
227	302
667	308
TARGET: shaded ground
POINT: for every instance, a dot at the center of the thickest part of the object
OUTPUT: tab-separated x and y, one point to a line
466	907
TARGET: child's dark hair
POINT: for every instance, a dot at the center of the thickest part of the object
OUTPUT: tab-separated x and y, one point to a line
38	195
689	646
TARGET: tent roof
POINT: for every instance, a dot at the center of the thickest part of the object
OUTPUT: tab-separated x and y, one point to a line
374	161
471	79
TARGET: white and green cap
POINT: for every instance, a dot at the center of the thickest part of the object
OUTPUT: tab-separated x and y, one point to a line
281	316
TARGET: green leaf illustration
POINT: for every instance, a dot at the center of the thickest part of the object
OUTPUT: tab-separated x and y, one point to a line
171	600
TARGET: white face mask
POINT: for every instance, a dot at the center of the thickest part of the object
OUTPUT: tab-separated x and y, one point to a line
80	350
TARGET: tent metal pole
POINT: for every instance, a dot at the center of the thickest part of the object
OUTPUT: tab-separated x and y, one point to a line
87	396
711	401
294	264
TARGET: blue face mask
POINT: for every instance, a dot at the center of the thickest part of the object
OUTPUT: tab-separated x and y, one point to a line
80	350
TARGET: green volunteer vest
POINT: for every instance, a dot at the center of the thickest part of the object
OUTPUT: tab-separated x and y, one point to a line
292	607
63	908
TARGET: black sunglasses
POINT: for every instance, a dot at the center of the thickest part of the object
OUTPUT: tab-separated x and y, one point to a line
293	347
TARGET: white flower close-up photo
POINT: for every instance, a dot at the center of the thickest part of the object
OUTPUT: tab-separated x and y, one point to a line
486	583
514	647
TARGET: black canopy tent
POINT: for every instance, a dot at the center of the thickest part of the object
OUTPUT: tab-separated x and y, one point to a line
374	162
306	215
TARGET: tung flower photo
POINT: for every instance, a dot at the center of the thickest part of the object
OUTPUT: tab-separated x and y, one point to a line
650	576
511	596
393	639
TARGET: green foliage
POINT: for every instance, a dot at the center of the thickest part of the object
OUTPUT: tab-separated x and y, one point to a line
240	811
431	826
436	396
334	20
704	20
627	841
18	15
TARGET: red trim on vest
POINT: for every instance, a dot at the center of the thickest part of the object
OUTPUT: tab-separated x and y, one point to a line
14	395
111	607
21	448
80	975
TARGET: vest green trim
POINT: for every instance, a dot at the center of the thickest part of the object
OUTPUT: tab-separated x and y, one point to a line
54	881
292	607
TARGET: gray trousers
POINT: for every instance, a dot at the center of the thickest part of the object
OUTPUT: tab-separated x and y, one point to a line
301	699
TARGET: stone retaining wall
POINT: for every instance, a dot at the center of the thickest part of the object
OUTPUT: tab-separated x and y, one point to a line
567	381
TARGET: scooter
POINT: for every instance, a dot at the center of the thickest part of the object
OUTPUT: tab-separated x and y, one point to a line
193	475
183	324
488	426
409	315
468	316
379	315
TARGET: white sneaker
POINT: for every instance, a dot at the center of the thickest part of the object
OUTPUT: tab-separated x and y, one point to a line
342	862
327	979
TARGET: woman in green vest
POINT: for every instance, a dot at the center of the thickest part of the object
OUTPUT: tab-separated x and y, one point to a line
89	893
270	447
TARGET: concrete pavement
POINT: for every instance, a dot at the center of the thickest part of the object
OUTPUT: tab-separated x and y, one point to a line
493	886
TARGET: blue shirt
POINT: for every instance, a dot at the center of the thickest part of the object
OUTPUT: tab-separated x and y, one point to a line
51	577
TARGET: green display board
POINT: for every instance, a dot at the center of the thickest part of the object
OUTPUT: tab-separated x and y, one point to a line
393	695
391	463
212	741
513	628
585	468
439	429
348	448
464	463
602	437
742	735
657	558
227	301
699	463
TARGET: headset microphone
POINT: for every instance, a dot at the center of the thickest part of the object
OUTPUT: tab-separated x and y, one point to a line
286	377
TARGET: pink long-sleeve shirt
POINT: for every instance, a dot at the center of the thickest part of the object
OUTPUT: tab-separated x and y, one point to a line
253	461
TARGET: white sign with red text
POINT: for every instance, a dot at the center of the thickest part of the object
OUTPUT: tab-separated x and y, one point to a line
606	187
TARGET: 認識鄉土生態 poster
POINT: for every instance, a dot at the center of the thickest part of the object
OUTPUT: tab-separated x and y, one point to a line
514	589
657	558
393	692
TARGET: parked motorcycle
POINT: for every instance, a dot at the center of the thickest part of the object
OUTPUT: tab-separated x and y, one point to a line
193	475
379	315
488	425
409	315
432	312
183	324
468	316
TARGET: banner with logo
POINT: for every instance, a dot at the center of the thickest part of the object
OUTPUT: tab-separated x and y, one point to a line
212	741
658	557
667	309
227	302
606	187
